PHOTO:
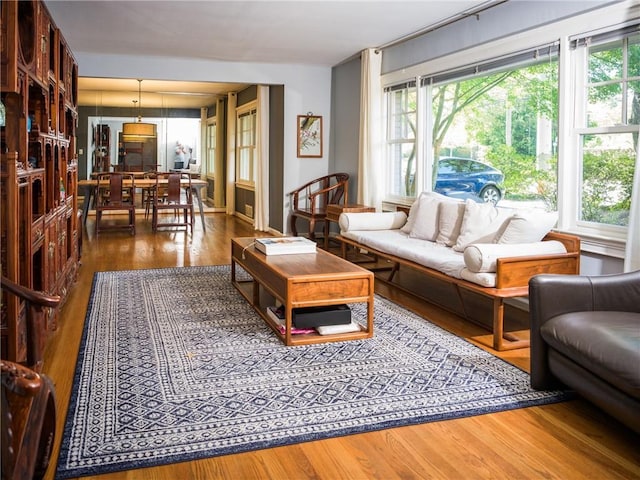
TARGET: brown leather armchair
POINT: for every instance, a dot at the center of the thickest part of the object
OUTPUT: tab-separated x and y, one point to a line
311	199
585	334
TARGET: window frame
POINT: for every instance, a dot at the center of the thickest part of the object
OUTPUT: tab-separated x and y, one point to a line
600	242
250	109
579	55
392	141
211	133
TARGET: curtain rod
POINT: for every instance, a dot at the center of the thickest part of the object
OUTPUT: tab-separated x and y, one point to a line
447	21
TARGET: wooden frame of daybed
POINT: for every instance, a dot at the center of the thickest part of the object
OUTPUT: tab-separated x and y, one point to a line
512	279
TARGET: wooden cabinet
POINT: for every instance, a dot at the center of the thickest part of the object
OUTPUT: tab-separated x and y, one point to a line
38	161
141	156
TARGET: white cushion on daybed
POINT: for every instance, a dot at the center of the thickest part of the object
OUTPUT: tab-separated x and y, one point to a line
398	243
482	257
484	279
371	221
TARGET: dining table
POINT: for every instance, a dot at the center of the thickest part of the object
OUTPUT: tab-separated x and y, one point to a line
88	189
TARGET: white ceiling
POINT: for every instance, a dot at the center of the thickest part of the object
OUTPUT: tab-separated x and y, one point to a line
293	32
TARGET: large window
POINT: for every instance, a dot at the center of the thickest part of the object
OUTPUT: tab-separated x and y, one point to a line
246	146
498	131
492	129
553	127
607	119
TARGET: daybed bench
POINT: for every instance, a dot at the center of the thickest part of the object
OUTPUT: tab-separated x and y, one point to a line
473	247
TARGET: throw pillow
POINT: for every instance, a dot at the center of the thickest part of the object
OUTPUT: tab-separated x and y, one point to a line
527	227
425	226
481	223
415	208
450	214
411	219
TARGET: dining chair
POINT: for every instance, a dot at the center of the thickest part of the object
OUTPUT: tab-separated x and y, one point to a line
116	192
148	193
178	198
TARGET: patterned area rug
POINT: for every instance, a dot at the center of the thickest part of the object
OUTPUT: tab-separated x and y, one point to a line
175	365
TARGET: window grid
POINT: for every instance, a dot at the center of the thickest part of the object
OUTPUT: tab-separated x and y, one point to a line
246	147
401	140
606	134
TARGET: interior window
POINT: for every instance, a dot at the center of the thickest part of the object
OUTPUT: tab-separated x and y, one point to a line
211	148
246	145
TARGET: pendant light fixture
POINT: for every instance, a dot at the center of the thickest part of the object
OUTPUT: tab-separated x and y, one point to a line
138	130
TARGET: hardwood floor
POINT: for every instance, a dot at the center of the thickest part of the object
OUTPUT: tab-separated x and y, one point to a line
570	440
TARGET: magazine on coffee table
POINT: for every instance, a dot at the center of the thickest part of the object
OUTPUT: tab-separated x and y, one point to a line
285	245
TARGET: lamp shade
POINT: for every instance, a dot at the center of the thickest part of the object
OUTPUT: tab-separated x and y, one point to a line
139	129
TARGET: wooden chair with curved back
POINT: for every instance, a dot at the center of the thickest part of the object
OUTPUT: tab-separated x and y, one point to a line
116	192
311	199
178	197
28	416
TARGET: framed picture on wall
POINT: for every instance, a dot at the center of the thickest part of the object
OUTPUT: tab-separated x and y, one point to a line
309	136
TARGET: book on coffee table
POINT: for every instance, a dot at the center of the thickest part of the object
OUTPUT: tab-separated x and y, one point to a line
333	329
285	245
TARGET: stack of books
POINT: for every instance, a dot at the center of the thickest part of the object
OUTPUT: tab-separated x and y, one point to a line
285	245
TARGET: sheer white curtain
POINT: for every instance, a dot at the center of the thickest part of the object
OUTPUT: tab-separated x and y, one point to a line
632	255
261	218
370	171
231	152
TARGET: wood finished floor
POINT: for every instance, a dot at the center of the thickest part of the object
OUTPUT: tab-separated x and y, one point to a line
570	440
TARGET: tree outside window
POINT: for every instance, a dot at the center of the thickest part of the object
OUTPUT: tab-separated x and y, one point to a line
509	121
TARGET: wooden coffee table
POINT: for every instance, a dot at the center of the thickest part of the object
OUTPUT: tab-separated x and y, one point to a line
302	280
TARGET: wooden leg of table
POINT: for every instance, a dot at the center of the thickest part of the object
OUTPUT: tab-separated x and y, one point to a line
370	312
196	191
288	315
233	271
256	293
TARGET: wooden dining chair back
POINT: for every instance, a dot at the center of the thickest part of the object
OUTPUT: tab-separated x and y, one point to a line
311	199
148	193
177	198
116	192
28	404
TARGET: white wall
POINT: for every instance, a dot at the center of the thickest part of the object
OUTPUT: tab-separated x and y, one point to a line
306	89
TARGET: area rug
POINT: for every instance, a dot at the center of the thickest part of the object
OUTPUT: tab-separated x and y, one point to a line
175	365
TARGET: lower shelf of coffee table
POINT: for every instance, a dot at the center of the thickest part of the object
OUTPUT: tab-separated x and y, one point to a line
246	289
